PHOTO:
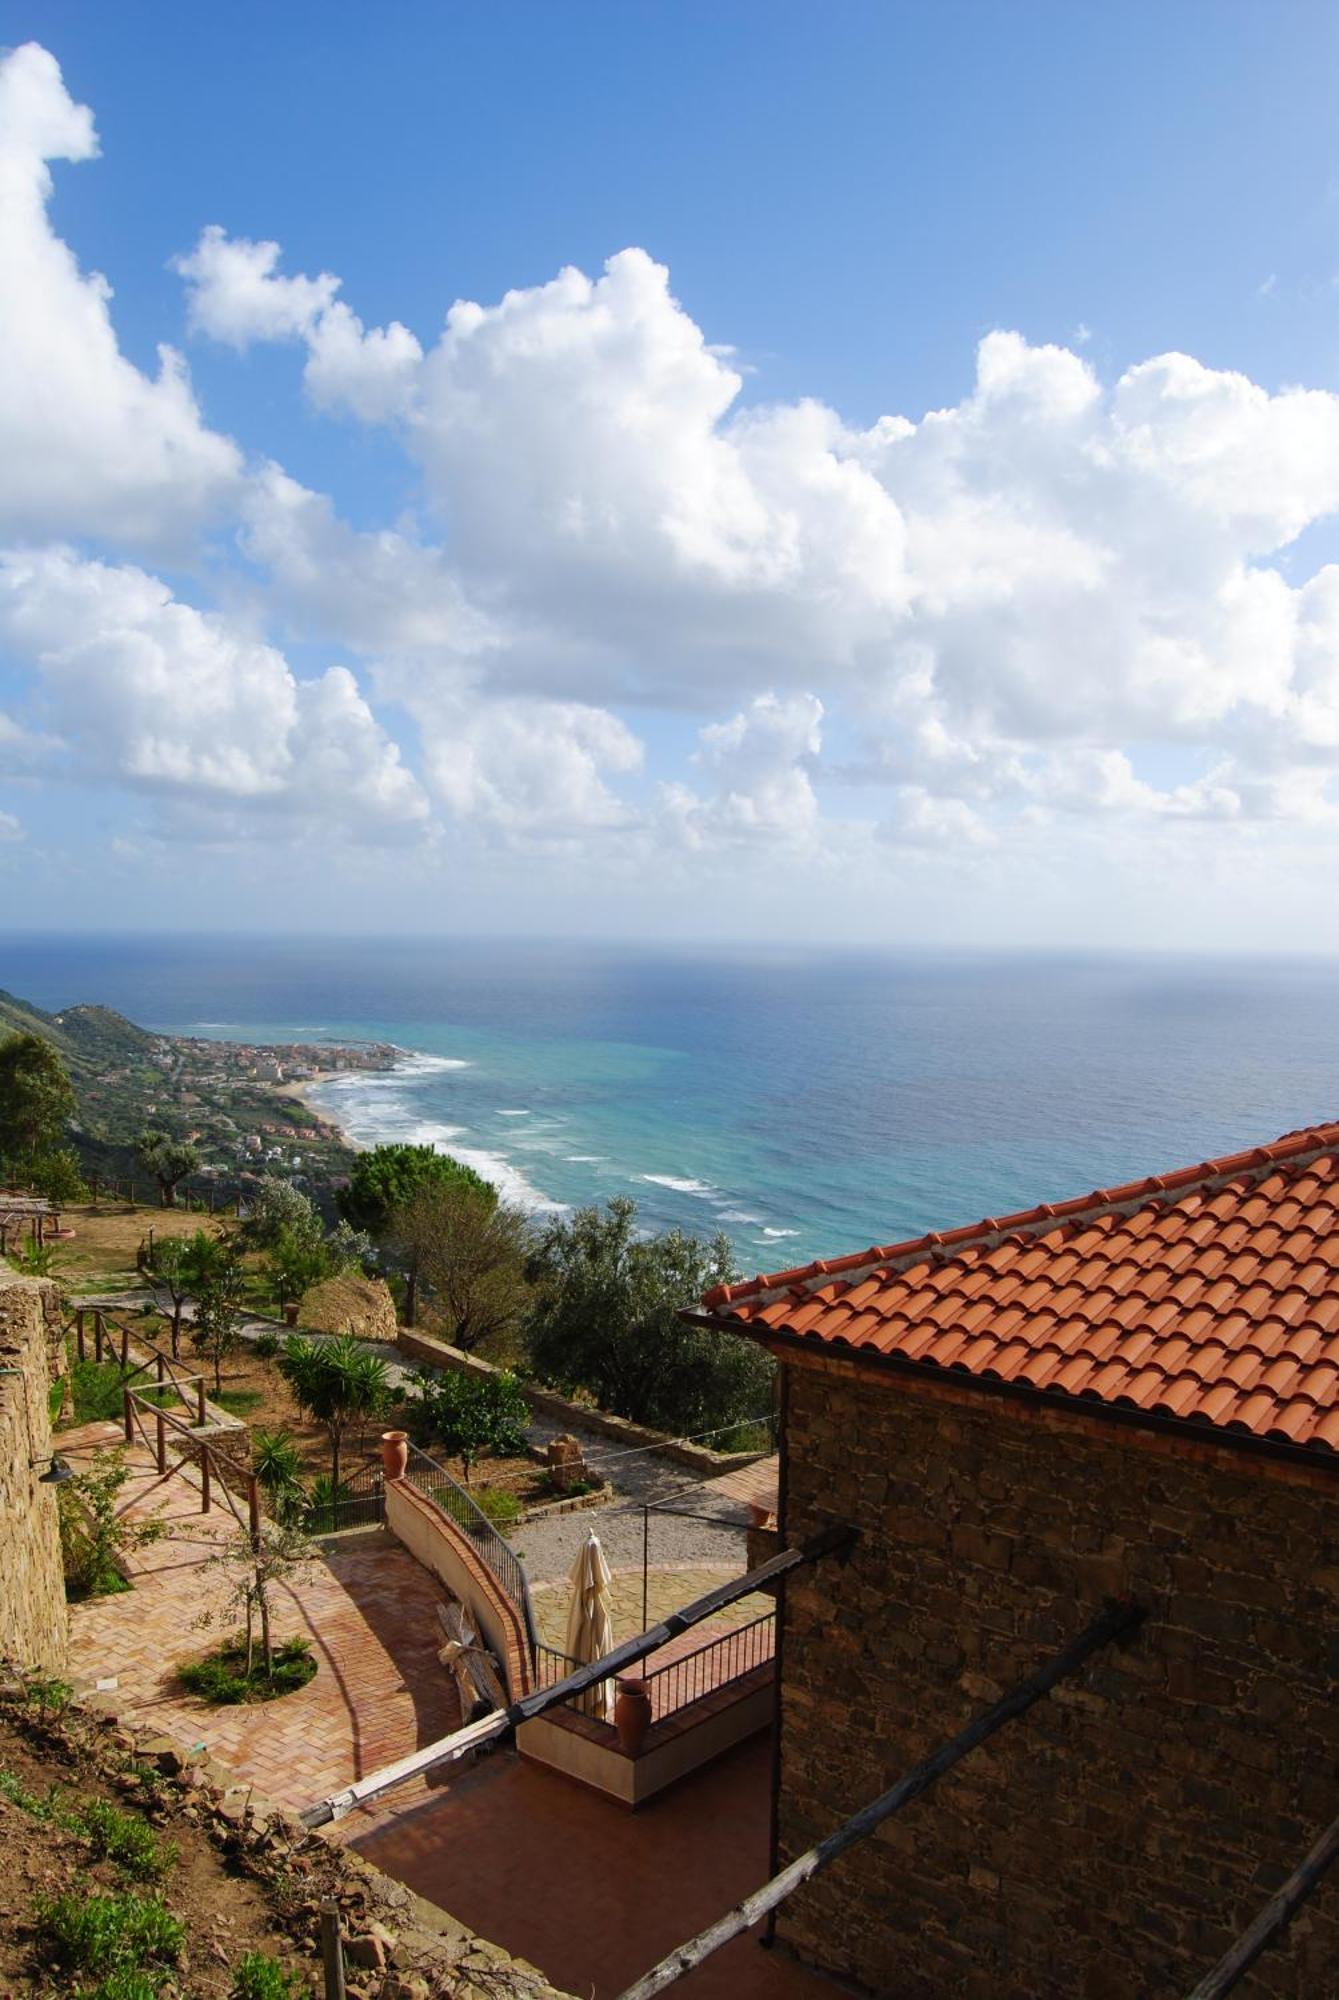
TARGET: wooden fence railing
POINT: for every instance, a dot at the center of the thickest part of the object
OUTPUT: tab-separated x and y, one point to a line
149	1413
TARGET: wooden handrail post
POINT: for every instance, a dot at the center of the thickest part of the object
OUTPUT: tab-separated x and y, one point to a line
200	1402
162	1440
79	1347
253	1507
98	1333
332	1950
204	1480
126	1395
125	1348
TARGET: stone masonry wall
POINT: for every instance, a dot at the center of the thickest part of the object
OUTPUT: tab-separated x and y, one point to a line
32	1587
1113	1843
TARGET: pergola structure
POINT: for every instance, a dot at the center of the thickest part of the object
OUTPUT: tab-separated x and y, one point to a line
20	1211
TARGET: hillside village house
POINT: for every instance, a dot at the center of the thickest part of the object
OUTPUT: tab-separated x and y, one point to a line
1134	1393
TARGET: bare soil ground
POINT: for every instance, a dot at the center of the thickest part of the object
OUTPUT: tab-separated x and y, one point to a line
249	1374
108	1234
225	1915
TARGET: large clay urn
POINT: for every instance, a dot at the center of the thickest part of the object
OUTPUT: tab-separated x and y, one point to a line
291	1314
394	1453
632	1715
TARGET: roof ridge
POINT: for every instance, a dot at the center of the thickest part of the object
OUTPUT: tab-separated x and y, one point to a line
1294	1149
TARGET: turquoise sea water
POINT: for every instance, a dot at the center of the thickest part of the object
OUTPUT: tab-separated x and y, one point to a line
807	1104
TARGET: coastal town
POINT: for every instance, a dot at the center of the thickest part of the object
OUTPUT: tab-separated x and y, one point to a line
243	1106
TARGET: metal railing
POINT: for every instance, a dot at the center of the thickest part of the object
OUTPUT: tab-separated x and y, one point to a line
551	1665
679	1683
435	1483
359	1503
713	1665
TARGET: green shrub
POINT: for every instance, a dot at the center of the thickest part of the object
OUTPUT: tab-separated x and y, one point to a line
46	1693
95	1392
124	1839
277	1464
260	1977
94	1531
499	1506
17	1793
98	1933
124	1984
221	1677
266	1346
470	1416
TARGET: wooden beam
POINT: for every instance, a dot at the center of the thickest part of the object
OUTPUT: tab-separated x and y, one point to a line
1278	1912
830	1541
1116	1621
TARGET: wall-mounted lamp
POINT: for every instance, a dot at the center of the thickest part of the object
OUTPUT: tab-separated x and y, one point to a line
56	1473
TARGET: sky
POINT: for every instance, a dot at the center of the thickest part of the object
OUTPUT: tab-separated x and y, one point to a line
769	471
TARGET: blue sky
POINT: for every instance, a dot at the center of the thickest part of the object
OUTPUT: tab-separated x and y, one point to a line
632	607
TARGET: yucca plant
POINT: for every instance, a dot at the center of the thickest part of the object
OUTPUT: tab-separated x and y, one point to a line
277	1464
337	1382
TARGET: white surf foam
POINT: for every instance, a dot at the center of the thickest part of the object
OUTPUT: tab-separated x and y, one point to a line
512	1114
738	1215
681	1185
584	1159
780	1232
509	1181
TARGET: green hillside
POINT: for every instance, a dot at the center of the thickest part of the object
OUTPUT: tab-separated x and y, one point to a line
87	1037
18	1018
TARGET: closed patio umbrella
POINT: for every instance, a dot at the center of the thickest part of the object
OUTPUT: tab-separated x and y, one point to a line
590	1623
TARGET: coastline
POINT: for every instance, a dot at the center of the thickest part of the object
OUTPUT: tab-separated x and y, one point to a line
302	1093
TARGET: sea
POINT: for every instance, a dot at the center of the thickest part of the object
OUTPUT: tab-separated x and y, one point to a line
806	1103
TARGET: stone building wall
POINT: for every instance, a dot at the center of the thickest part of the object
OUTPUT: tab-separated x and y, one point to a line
32	1588
1114	1842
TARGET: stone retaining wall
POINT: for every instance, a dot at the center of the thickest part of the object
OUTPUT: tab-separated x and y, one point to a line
33	1624
1116	1841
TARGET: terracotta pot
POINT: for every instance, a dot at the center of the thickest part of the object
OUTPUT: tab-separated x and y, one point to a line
632	1715
394	1453
290	1315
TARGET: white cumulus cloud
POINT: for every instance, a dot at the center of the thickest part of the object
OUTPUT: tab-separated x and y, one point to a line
88	444
175	701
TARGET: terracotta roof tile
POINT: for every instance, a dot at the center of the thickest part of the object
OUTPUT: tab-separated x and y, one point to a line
1211	1293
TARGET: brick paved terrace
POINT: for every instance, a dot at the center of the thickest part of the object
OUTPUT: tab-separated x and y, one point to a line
593	1893
367	1607
550	1871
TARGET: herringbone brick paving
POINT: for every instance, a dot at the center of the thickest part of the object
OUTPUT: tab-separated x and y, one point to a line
366	1606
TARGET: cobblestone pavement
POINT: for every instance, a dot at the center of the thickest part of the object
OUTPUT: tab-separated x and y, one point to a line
366	1606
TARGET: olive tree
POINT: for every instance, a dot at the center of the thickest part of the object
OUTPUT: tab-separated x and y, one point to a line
468	1252
607	1319
169	1160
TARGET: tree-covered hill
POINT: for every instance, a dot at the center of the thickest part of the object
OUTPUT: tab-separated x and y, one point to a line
87	1037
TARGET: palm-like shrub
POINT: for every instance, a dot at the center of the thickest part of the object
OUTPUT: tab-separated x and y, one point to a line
337	1382
277	1464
